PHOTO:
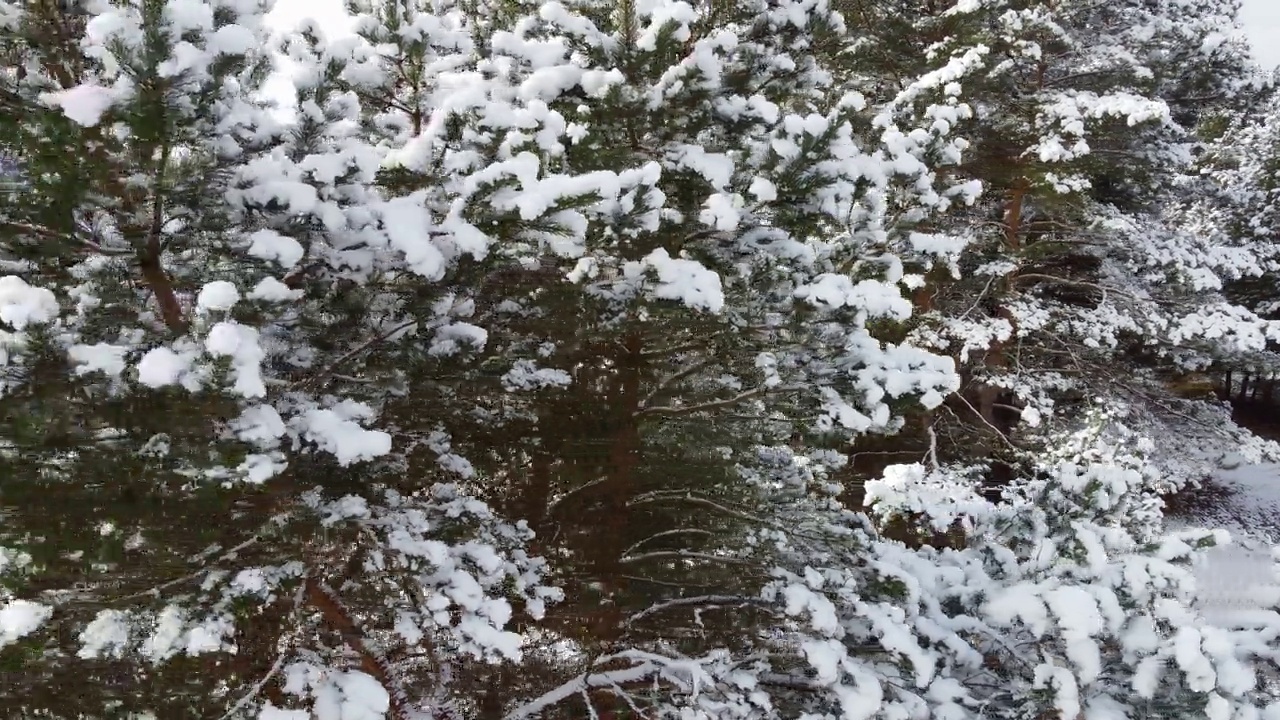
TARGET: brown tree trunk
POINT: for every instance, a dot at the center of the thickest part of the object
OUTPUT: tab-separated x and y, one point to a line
158	281
618	490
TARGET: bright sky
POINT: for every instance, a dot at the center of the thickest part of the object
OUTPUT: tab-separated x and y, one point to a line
1262	24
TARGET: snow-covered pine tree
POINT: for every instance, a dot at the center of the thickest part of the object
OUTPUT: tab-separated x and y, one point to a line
179	424
1234	201
348	344
715	285
371	215
1083	279
1102	282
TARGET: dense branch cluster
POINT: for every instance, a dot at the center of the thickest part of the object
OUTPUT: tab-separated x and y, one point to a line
696	359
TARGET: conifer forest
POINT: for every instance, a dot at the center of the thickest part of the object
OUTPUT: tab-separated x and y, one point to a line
639	360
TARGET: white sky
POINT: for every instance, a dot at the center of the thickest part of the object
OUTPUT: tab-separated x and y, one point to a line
1261	22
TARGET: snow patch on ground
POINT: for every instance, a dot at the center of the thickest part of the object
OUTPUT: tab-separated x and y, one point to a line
1245	502
1238	584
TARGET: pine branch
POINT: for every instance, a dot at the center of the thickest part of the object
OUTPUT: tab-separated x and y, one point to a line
321	597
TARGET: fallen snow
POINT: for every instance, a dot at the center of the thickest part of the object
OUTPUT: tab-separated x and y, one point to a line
100	357
240	344
272	246
106	636
271	712
685	281
875	297
526	375
351	696
1249	505
336	431
1237	584
270	289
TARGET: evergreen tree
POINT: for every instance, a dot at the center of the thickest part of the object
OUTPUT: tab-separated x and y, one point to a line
532	367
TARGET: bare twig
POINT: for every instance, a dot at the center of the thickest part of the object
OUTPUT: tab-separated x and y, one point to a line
342	359
51	234
1076	283
713	404
155	591
673	379
704	502
611	679
708	600
666	533
686	555
999	433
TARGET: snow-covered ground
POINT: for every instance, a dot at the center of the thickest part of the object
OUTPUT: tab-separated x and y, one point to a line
1249	504
1238	583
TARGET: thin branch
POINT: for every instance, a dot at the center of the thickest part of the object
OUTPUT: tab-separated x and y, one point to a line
1076	283
51	234
666	533
155	591
256	690
742	515
981	296
295	277
793	682
686	555
371	342
608	679
591	706
672	379
1216	429
325	600
556	501
663	583
999	433
662	352
932	455
708	600
673	411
